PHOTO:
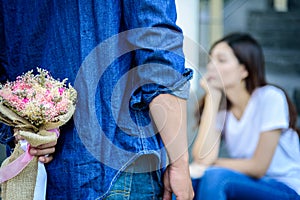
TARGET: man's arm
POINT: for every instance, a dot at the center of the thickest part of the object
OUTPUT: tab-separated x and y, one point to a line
169	115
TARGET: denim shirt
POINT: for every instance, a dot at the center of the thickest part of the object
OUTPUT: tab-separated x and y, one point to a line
119	55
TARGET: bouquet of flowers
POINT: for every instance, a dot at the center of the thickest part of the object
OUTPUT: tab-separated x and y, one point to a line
36	105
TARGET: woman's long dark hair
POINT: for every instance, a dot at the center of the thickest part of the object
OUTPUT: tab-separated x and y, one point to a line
249	53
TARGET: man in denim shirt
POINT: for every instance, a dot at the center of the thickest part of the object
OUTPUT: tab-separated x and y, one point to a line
125	59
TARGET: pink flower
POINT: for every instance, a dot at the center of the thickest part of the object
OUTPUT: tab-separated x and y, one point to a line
25	100
61	90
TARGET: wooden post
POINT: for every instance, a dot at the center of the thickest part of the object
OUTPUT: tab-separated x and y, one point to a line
281	5
216	20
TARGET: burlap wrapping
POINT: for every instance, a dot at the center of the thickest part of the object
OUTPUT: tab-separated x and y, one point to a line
22	186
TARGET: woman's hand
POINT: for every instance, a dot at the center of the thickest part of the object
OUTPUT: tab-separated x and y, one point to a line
207	84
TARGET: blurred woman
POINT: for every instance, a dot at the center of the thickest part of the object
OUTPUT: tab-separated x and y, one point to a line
257	121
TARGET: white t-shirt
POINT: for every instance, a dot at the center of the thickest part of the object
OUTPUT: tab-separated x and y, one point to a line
267	110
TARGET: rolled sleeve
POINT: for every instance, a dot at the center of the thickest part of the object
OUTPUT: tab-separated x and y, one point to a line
158	52
142	97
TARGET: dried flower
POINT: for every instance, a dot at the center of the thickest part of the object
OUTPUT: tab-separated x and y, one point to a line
38	98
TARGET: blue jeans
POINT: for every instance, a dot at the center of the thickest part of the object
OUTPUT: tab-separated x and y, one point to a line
132	186
220	184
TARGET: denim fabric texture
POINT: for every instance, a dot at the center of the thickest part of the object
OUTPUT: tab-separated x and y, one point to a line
61	36
220	184
131	186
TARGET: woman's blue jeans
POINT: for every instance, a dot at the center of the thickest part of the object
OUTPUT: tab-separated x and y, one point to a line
220	184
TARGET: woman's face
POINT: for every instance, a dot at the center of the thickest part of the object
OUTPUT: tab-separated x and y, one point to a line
224	69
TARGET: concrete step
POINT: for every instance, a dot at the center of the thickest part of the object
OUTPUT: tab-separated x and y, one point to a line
275	29
286	61
272	20
278	40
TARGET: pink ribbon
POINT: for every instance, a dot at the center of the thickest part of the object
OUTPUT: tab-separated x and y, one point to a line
14	168
56	131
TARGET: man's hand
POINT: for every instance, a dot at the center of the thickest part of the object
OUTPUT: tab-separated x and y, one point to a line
44	152
177	180
169	115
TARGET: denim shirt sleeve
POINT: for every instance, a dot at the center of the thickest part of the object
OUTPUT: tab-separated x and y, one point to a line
159	59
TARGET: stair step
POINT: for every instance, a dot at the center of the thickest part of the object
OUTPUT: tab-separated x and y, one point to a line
282	60
278	40
271	20
275	29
